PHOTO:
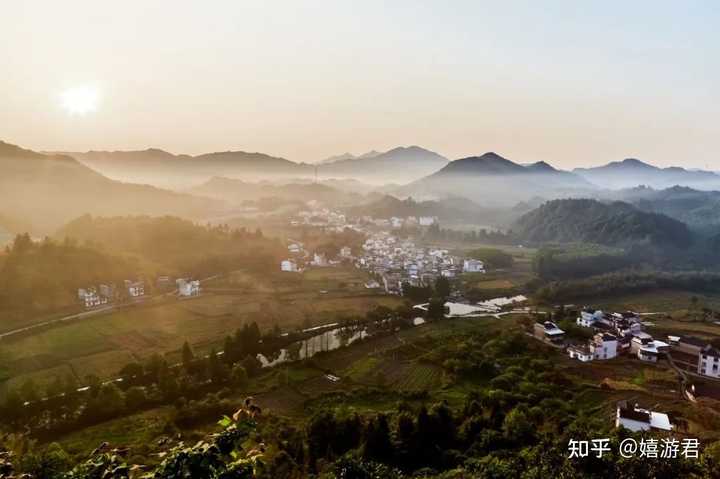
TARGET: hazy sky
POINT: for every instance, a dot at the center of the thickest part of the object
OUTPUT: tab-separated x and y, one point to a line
569	82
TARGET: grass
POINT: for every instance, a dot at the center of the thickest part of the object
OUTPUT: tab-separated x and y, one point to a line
140	429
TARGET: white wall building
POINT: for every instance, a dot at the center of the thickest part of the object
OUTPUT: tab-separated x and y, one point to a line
187	287
636	419
288	265
709	362
581	353
473	266
427	220
135	288
604	346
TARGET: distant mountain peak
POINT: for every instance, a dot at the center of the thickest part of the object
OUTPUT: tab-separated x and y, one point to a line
541	166
491	155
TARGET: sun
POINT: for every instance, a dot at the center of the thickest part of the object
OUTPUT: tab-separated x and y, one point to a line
80	100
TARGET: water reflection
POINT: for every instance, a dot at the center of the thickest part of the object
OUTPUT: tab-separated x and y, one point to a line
327	341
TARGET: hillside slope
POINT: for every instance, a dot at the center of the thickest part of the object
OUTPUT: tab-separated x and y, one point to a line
632	172
164	169
398	165
45	191
497	181
590	221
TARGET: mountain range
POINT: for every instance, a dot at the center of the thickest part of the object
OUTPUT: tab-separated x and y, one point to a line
41	192
348	156
632	172
164	169
398	165
495	180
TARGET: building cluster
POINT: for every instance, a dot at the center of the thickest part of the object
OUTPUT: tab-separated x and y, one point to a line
96	296
324	218
396	262
103	294
616	333
299	258
331	220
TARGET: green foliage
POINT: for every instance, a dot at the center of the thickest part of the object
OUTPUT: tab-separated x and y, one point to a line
42	276
628	282
590	221
493	258
178	245
577	261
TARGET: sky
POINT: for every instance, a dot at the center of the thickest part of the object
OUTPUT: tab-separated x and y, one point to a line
571	83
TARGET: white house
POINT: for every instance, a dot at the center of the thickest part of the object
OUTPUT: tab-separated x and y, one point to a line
346	252
473	266
588	317
709	362
646	348
90	298
319	259
187	287
604	346
426	220
581	353
549	332
636	419
289	266
135	288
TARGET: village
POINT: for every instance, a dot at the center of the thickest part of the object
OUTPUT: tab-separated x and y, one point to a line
616	334
392	261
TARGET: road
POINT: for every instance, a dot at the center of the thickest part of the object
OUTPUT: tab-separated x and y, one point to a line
94	312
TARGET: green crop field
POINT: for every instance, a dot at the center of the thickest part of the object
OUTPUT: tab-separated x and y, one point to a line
103	344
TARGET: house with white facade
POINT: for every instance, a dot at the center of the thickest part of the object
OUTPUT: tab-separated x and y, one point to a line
135	289
320	260
427	220
473	266
188	287
604	346
648	349
581	353
90	298
346	252
549	332
588	317
636	419
709	362
289	266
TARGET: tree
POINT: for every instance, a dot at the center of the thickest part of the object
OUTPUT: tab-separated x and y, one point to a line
377	444
188	356
517	426
135	398
252	365
442	287
436	308
29	391
50	463
239	375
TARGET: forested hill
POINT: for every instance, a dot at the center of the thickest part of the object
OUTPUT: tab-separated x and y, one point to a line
612	224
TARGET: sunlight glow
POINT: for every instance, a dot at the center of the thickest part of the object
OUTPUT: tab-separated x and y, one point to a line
80	100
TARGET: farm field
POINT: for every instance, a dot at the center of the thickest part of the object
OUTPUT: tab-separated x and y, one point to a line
103	344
